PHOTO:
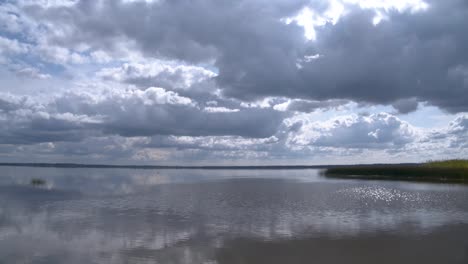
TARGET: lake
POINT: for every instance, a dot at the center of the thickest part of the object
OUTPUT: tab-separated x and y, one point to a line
88	215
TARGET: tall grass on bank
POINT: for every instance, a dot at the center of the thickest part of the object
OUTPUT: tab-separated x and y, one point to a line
456	163
439	171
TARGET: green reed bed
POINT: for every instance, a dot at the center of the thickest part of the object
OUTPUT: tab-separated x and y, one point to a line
457	163
439	171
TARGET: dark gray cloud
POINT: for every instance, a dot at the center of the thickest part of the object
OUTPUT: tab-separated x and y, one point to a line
405	106
213	143
7	105
406	56
156	111
421	55
186	30
310	106
26	127
132	113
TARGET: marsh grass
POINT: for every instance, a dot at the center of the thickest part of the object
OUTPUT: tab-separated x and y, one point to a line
456	163
439	171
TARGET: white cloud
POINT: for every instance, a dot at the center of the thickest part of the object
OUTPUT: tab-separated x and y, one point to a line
60	55
400	5
101	56
220	109
33	73
382	131
12	46
156	95
166	74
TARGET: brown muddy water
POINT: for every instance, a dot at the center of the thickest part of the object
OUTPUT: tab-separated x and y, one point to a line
226	216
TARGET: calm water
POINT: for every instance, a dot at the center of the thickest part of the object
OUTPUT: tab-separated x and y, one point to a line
226	216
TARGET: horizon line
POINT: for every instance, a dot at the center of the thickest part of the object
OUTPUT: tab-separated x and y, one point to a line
104	166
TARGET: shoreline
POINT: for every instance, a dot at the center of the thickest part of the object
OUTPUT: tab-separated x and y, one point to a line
415	173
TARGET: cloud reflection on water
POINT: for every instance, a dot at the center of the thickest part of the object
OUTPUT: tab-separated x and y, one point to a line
187	216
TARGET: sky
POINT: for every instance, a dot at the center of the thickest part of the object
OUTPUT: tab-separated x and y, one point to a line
243	82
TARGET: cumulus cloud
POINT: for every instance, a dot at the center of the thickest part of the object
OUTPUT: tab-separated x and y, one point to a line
407	55
299	105
130	113
405	106
32	73
455	135
10	47
381	130
459	132
220	143
157	74
258	79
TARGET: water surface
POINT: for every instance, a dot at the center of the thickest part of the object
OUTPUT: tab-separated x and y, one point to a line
226	216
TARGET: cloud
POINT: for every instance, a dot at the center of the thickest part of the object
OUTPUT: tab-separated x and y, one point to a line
10	48
299	105
220	143
222	79
157	74
33	73
382	131
59	55
405	106
407	56
459	132
455	135
130	113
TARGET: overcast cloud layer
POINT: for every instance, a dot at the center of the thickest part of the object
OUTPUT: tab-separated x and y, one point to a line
233	82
